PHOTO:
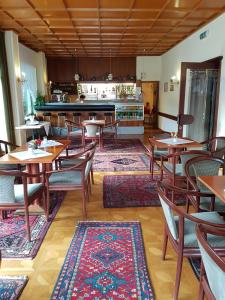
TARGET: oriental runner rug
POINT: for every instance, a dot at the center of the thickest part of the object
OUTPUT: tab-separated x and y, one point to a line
11	287
13	236
106	260
120	162
120	191
110	146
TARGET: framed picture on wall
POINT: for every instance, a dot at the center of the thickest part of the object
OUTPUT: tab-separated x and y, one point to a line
165	86
171	87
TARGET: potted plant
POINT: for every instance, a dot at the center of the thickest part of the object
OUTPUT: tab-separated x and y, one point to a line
40	99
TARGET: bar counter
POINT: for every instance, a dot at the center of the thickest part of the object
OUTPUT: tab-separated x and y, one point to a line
88	105
130	113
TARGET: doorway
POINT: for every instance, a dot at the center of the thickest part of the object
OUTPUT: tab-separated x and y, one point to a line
150	93
201	100
199	97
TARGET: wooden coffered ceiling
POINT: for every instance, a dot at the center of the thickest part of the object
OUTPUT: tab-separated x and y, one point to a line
105	27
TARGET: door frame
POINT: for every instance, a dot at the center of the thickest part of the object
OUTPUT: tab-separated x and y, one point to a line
157	99
214	63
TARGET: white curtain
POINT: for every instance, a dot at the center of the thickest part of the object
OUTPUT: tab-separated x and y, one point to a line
29	87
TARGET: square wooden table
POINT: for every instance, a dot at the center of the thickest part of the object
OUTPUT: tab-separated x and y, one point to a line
33	164
39	125
172	147
215	184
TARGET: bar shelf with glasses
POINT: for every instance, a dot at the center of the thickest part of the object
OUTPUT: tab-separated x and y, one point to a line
129	112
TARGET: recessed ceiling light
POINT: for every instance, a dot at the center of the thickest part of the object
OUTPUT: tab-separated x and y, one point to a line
177	3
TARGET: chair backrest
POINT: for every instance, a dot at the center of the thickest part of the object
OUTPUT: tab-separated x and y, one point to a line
214	265
90	158
7	194
91	130
202	166
187	155
71	125
168	213
214	144
5	147
163	135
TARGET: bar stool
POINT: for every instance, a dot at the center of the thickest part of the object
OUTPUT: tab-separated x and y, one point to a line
47	116
92	115
77	117
108	116
61	119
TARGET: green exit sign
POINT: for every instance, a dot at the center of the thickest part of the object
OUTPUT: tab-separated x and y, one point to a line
204	35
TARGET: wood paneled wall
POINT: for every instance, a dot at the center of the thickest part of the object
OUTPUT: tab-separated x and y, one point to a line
91	68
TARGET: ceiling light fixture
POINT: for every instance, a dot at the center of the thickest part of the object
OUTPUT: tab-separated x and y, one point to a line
110	75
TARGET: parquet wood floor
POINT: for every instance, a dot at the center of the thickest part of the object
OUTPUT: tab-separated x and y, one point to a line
44	269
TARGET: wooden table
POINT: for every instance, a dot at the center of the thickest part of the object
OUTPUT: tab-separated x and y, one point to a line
33	164
173	147
39	125
215	184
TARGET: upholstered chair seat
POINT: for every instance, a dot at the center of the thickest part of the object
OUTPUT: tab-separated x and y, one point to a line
20	196
66	178
31	189
190	239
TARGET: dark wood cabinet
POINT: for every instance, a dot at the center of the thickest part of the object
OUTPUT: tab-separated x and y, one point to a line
91	68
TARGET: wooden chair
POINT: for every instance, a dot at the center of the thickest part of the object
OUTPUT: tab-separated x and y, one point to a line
93	132
204	166
155	154
74	131
72	178
172	165
5	148
69	160
216	146
212	276
20	196
110	130
180	229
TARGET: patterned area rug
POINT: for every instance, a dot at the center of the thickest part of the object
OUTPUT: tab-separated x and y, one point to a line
121	162
131	191
196	266
11	287
109	146
13	238
105	261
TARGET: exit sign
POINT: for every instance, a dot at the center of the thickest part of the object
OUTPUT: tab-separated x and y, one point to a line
204	35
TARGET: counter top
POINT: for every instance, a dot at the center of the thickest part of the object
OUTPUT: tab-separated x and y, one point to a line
87	105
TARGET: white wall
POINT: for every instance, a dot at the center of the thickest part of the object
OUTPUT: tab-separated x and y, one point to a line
193	49
13	61
148	68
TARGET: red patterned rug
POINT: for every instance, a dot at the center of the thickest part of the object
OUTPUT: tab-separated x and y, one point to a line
11	287
131	191
109	146
121	162
13	238
105	260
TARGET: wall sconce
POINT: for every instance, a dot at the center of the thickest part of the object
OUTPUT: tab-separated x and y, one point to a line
21	79
174	80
